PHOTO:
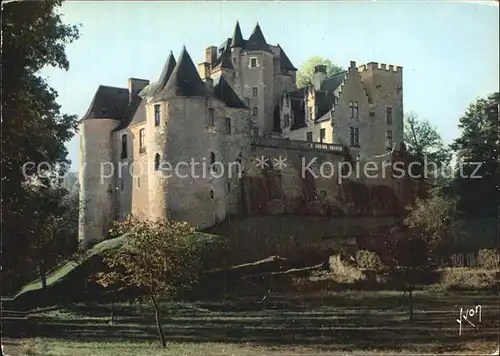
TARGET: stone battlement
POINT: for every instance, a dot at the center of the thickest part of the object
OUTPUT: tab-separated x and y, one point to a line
380	66
295	144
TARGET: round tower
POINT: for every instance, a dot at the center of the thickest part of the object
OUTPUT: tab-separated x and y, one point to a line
97	181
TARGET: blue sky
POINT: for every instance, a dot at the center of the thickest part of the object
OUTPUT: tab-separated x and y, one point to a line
449	50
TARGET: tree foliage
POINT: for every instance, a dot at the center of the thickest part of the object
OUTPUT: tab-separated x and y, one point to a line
34	129
160	259
424	142
433	219
306	72
478	158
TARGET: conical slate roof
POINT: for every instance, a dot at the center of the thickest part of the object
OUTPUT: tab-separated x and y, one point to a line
237	40
168	68
257	42
184	81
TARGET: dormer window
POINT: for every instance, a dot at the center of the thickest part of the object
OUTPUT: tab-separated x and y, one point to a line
253	62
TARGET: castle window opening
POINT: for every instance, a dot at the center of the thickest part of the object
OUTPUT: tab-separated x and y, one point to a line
254	91
211	117
228	187
354	136
121	183
234	75
142	140
322	134
311	113
138	182
253	62
124	147
389	116
309	136
356	111
255	131
247	102
211	194
212	158
228	125
389	139
255	111
287	120
157	115
157	161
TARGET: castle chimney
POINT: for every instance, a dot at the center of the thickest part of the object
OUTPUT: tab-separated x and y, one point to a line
135	86
204	70
211	55
319	75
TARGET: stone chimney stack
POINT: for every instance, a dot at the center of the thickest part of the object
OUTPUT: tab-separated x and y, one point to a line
211	55
204	71
135	86
319	75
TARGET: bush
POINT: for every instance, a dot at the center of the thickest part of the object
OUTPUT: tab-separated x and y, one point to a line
343	272
488	259
463	278
368	260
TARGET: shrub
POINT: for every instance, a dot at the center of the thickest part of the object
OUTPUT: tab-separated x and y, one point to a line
344	273
368	260
488	259
463	278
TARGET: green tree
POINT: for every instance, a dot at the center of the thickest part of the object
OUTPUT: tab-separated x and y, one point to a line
306	71
478	158
433	218
160	259
425	143
431	222
33	128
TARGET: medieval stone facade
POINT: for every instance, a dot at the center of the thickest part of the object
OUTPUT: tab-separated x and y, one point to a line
188	145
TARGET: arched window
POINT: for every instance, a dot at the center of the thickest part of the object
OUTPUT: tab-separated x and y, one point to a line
157	161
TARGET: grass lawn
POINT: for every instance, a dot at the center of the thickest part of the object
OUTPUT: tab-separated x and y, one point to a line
50	347
319	323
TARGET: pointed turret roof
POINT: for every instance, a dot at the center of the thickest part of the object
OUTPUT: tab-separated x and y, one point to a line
256	41
237	40
184	80
168	68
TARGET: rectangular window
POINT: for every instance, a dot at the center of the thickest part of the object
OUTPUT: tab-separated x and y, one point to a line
389	139
287	120
389	116
121	184
247	102
157	115
138	182
351	136
255	111
309	136
254	91
253	62
311	113
356	137
322	134
142	140
356	111
255	131
211	117
351	106
228	125
124	146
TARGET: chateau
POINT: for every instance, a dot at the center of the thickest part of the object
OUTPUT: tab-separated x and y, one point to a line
238	107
